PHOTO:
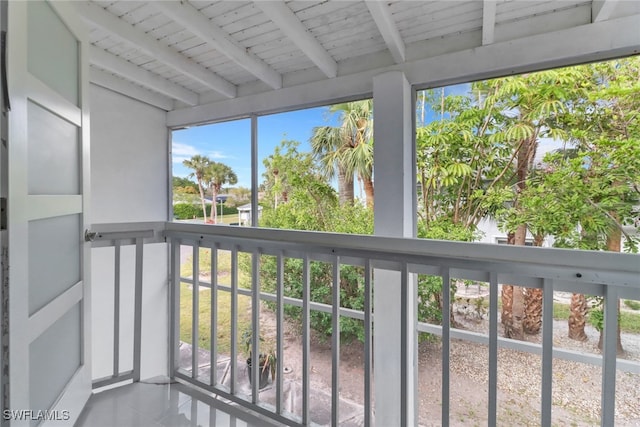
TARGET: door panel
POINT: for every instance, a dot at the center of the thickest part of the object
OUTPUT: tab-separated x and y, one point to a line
48	175
52	50
54	153
54	258
59	347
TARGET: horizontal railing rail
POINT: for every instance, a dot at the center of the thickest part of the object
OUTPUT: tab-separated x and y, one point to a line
609	275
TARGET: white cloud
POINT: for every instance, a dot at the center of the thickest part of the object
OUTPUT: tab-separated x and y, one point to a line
181	152
217	155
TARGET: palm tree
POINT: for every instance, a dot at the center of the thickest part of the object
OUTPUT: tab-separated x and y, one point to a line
199	164
328	146
357	128
347	149
217	175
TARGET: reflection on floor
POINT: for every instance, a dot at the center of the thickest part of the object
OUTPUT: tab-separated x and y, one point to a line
153	405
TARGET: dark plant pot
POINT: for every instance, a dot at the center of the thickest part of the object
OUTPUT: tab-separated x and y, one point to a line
264	374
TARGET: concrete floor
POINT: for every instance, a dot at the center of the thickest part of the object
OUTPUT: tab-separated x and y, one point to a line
170	405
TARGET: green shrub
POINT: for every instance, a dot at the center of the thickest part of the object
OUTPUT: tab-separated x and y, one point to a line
186	211
319	215
633	305
190	211
430	287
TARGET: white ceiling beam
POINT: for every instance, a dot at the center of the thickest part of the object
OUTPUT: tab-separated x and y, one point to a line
488	21
613	38
601	9
119	85
386	25
151	47
198	24
290	25
117	65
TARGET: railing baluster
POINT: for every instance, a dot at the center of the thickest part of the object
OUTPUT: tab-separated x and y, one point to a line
609	354
116	310
306	366
360	254
195	309
335	344
367	343
493	348
547	352
280	330
137	320
174	307
213	351
255	324
234	319
446	342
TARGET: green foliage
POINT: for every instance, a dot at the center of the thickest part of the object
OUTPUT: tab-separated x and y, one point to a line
185	184
584	194
430	287
190	211
633	305
186	211
458	159
477	159
321	285
301	213
300	198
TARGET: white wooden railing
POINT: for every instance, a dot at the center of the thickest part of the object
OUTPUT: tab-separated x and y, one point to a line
610	275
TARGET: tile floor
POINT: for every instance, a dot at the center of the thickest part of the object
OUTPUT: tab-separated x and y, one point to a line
155	405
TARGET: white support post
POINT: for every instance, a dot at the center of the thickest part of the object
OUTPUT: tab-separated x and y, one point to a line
394	322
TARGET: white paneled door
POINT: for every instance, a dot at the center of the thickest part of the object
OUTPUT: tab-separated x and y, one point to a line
49	368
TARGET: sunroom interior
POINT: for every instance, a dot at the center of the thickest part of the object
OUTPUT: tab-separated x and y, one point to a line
92	263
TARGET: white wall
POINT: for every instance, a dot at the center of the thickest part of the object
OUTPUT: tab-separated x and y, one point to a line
129	183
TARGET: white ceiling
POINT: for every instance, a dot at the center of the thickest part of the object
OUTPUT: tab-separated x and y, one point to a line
188	53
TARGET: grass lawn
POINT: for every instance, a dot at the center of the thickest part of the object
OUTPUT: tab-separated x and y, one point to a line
629	322
224	303
204	319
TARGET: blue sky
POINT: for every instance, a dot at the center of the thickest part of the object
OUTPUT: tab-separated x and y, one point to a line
230	142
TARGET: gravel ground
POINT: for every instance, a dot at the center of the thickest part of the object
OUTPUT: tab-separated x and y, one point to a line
576	386
576	389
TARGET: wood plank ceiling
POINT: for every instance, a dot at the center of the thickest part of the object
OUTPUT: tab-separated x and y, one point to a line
186	53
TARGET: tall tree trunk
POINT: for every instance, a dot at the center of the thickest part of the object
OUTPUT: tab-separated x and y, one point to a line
204	207
614	244
577	317
345	186
533	302
214	205
368	190
513	324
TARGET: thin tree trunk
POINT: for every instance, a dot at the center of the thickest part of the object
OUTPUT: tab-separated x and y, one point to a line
614	244
204	207
368	190
214	205
507	296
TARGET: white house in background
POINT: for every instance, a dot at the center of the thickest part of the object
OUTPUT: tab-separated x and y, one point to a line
244	214
491	233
